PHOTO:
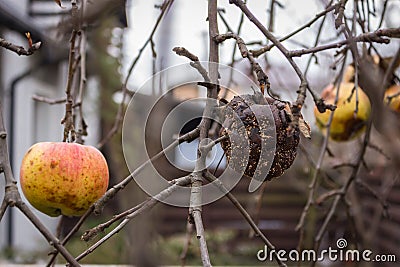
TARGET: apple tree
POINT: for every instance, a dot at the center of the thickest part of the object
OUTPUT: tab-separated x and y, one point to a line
339	117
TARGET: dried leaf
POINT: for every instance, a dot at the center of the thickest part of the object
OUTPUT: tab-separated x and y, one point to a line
36	46
28	36
304	128
58	2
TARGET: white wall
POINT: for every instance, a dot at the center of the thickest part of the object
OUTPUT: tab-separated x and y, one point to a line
31	124
35	122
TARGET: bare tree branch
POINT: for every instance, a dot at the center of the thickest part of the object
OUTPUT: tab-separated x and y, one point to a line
13	198
81	125
340	13
313	184
343	189
242	210
301	96
181	51
316	42
3	209
124	89
376	36
99	205
134	212
266	48
205	258
68	121
20	50
70	235
90	234
188	238
195	208
47	100
261	76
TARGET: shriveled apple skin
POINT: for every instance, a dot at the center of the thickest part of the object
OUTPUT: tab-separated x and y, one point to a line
63	178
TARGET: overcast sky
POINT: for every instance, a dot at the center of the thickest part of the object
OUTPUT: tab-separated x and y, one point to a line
185	25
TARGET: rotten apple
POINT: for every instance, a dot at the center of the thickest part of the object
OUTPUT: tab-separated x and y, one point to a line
63	178
248	108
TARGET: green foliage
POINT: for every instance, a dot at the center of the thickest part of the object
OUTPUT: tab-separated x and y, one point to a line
223	246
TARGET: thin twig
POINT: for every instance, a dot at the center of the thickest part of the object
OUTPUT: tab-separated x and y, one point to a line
20	50
322	198
220	11
383	13
60	226
343	189
376	36
356	222
314	180
195	208
49	101
258	206
183	181
391	68
205	258
3	208
99	204
91	233
216	126
377	195
13	198
378	149
70	234
95	231
124	89
317	38
97	207
380	210
238	31
181	51
188	239
271	16
261	76
68	120
82	126
266	48
53	241
211	178
301	95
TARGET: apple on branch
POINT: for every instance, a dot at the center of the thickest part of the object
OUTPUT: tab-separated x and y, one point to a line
63	178
392	98
348	121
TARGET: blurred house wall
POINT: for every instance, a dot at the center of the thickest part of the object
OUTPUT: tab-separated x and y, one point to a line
28	121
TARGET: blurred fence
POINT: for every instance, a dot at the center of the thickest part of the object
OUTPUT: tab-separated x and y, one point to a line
278	215
282	205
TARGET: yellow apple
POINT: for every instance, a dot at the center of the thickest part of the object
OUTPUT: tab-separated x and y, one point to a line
63	178
349	72
392	97
346	124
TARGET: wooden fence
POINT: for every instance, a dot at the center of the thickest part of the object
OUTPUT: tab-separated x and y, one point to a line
282	205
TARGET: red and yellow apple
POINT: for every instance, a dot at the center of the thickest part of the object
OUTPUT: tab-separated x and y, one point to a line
346	123
392	97
63	178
